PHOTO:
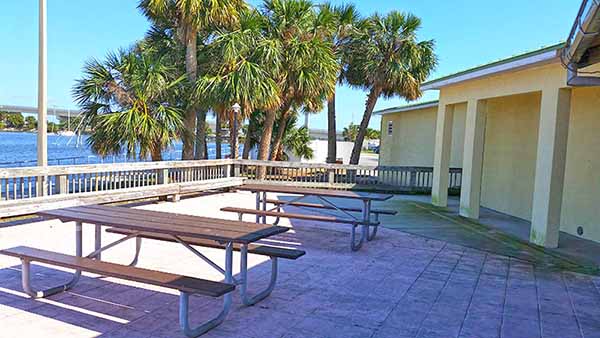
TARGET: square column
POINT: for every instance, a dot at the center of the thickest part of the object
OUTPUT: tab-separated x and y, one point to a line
441	160
470	192
550	167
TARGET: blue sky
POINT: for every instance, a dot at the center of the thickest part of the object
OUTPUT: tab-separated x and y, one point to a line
467	33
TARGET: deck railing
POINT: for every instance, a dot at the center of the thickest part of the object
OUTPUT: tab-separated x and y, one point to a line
341	176
25	190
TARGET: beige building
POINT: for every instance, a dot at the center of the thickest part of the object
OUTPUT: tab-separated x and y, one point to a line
524	130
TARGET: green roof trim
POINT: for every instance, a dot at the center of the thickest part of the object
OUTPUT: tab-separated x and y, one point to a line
500	62
413	106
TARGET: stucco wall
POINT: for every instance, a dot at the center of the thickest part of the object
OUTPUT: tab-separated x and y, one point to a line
510	153
510	148
581	197
413	137
458	135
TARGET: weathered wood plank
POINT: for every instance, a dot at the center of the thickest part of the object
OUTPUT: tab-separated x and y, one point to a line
158	278
33	205
106	167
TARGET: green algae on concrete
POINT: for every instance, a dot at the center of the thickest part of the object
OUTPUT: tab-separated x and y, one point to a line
439	223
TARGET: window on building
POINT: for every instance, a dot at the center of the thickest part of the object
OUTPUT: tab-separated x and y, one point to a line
390	128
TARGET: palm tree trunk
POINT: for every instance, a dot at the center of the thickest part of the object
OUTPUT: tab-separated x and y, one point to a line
248	141
364	124
277	147
156	153
189	119
218	135
201	153
233	135
265	141
331	130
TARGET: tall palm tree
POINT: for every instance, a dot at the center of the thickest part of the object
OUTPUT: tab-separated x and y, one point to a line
188	17
386	59
297	141
130	102
253	132
244	73
349	133
341	21
308	65
218	133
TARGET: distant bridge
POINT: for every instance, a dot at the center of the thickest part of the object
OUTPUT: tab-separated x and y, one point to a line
319	134
54	111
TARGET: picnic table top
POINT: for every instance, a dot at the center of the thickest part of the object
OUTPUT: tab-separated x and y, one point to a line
167	223
316	192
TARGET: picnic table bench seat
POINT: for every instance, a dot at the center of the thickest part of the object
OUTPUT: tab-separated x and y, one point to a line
318	218
258	249
328	207
182	283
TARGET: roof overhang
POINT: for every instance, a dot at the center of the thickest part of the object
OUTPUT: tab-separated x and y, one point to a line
538	58
416	106
583	45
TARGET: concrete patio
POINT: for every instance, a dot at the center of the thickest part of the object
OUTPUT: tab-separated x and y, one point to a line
400	285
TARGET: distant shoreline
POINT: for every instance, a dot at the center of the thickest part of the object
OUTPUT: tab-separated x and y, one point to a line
31	131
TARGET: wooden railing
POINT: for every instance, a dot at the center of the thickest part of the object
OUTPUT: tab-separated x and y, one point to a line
341	176
30	189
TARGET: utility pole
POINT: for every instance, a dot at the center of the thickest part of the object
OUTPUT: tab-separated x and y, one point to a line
42	137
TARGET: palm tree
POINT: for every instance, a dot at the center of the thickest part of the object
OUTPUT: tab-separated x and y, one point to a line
373	134
349	133
130	101
308	65
187	18
342	22
218	133
253	132
297	140
247	62
386	59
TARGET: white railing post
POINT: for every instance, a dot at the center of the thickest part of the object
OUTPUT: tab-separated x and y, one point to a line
41	186
331	177
62	184
413	179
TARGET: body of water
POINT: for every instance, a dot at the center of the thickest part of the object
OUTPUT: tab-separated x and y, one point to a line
18	149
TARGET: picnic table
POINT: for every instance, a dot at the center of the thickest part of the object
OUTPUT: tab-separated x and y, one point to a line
323	195
184	229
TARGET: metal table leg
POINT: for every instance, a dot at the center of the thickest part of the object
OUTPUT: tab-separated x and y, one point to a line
184	299
98	240
364	227
264	208
371	235
257	206
251	300
26	271
367	219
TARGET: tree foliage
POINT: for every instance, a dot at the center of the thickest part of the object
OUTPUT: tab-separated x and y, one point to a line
277	60
131	103
386	59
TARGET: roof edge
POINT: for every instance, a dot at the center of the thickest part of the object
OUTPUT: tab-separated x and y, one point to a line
542	55
416	106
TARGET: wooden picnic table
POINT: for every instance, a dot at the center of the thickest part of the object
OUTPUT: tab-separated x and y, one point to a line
183	229
325	196
359	195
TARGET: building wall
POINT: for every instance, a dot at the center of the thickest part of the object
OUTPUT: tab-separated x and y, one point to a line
581	196
413	137
509	154
510	148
